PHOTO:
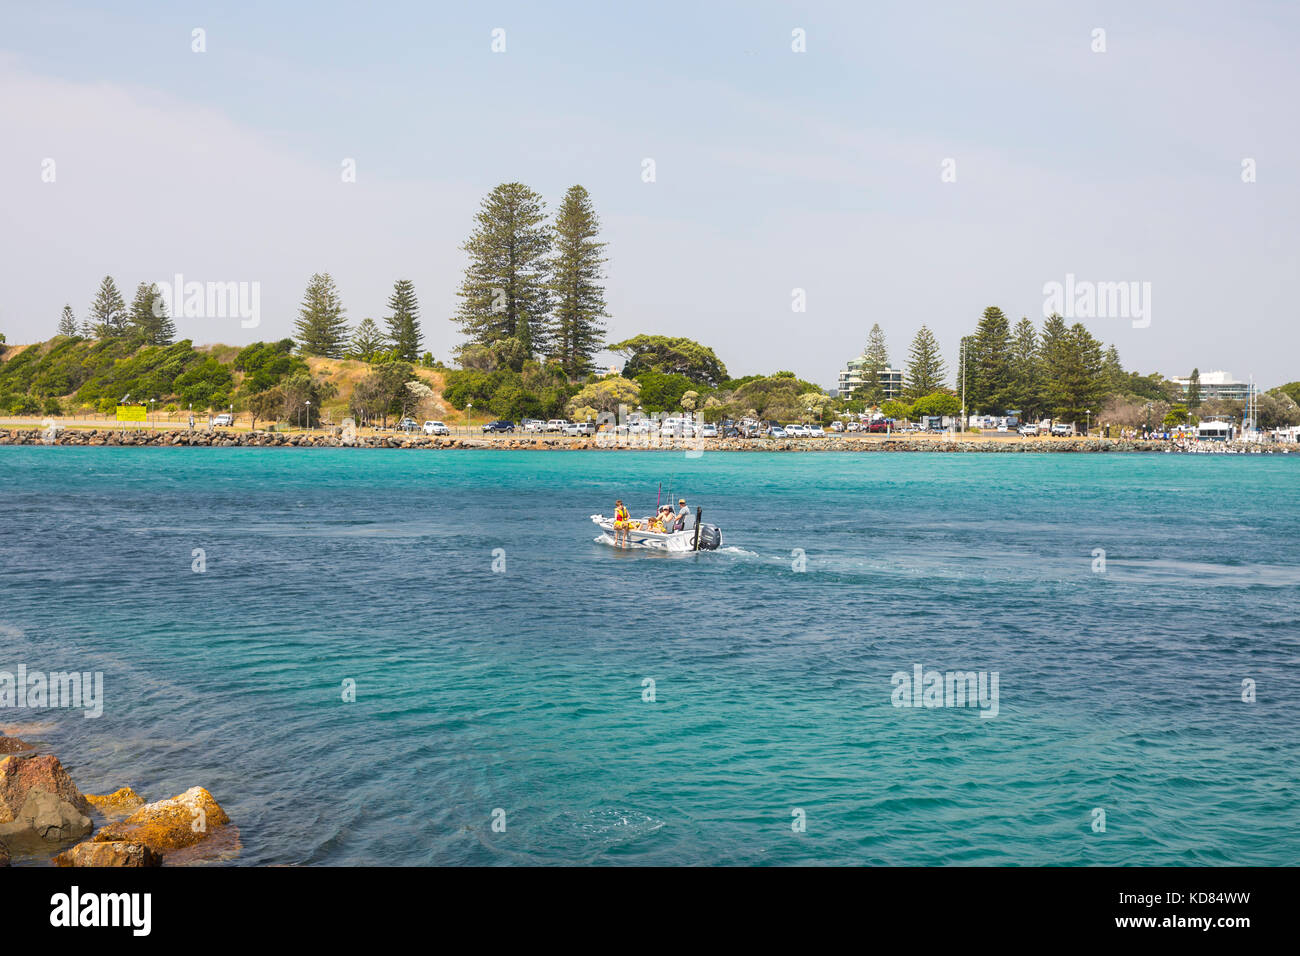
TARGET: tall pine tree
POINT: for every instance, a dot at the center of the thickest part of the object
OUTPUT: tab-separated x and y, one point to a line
321	328
1116	377
504	292
67	324
404	322
1084	382
367	342
989	363
1054	360
107	316
875	359
926	369
577	332
1194	390
148	321
1026	389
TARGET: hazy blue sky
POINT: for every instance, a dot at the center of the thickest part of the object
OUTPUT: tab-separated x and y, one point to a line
775	170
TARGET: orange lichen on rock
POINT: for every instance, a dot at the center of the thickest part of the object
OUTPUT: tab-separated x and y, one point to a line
182	821
117	805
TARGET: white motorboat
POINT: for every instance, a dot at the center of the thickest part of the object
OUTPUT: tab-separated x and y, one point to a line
709	538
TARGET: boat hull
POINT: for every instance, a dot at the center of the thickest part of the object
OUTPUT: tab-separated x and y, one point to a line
676	541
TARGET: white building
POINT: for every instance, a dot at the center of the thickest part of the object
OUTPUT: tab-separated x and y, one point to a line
1216	431
1218	384
891	379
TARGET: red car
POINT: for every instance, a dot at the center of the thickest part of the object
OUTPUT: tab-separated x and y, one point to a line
880	425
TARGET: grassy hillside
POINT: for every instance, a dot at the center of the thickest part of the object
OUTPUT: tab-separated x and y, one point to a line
344	374
70	375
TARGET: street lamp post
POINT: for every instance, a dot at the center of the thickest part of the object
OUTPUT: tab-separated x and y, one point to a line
963	385
153	410
468	408
309	414
1087	422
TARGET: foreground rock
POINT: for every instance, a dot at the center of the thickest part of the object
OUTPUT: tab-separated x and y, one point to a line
48	817
38	799
116	853
12	745
174	824
4	855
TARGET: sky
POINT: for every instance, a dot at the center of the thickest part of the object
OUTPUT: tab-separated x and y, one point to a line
915	163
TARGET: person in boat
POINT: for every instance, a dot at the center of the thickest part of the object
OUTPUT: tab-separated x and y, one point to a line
663	520
683	512
621	522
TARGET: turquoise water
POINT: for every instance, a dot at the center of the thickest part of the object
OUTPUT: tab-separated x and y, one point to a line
522	690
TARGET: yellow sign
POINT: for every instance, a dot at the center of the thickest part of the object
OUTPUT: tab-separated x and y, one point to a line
130	413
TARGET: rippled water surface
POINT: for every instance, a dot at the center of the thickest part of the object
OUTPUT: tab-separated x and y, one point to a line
523	690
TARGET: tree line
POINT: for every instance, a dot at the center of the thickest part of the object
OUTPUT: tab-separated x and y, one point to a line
1058	371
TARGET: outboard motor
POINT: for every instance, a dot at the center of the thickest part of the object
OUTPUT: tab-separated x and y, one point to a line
710	537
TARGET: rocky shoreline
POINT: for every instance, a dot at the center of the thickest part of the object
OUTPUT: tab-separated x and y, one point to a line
335	438
41	811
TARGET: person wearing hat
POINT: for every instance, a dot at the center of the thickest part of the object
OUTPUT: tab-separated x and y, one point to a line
682	514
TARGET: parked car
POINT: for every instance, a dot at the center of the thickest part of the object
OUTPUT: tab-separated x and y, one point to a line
708	431
534	425
498	426
853	427
1028	429
557	424
732	432
879	425
580	428
225	418
408	425
816	431
1060	429
436	428
776	431
837	426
